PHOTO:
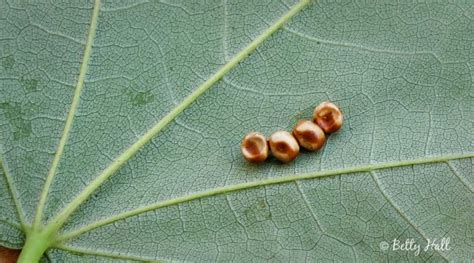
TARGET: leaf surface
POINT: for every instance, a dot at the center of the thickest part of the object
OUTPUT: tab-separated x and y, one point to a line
401	167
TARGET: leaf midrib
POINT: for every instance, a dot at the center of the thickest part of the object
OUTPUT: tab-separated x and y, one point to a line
259	183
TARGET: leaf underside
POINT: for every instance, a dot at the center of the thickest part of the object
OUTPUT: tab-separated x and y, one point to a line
400	168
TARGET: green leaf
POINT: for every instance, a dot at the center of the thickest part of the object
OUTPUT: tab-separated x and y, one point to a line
120	126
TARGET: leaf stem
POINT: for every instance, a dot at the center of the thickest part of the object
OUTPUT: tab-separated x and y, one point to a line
61	218
37	242
70	116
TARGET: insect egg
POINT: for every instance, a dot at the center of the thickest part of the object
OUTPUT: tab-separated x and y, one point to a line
309	135
254	147
328	117
284	146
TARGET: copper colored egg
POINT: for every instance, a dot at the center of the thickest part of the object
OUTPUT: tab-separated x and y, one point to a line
328	116
254	147
284	146
309	135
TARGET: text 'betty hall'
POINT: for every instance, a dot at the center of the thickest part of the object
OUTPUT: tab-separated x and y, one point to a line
411	245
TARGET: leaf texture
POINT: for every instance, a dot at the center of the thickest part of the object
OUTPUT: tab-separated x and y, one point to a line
400	168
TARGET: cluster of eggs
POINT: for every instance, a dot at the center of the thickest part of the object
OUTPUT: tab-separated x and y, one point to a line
285	146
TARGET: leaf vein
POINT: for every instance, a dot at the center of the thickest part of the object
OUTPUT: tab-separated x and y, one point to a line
13	191
400	212
368	49
76	250
70	116
461	178
254	184
225	31
308	206
315	218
